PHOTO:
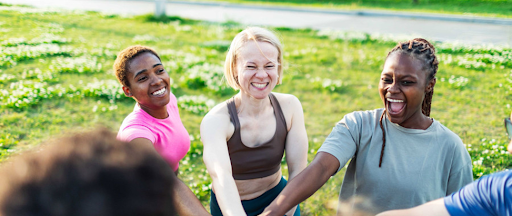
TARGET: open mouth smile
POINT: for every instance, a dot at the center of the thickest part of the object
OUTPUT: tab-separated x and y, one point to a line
159	92
260	85
395	106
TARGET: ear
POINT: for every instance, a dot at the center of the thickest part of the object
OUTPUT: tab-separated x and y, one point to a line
430	85
127	91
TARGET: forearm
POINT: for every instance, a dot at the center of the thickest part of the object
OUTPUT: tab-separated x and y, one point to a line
298	189
185	202
435	207
293	172
227	196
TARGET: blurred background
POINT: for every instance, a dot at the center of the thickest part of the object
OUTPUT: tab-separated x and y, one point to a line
56	61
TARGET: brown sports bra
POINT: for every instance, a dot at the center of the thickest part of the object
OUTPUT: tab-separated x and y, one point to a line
261	161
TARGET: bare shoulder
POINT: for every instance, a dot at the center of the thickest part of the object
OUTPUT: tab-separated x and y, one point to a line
216	114
217	121
292	109
287	101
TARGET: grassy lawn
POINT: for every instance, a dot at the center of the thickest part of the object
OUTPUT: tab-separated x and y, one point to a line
56	78
487	8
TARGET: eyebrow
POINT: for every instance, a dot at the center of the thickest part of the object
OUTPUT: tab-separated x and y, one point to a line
389	73
408	76
250	62
144	70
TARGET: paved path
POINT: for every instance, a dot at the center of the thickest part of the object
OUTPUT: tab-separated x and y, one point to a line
451	31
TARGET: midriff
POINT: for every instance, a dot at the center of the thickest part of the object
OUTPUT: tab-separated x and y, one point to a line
253	188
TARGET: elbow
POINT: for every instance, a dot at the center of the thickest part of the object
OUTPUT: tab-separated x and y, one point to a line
208	161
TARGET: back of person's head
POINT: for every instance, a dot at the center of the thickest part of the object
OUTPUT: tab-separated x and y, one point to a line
90	174
256	34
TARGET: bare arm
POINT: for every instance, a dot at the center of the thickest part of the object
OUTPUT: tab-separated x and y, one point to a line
296	141
185	202
214	129
435	207
305	184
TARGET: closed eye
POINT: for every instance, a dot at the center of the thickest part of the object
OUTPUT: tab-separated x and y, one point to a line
386	80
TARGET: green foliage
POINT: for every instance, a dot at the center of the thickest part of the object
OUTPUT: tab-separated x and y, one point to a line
7	144
83	64
219	45
489	157
163	19
196	104
200	183
456	82
491	8
62	83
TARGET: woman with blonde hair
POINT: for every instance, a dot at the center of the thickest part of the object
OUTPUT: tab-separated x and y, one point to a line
245	138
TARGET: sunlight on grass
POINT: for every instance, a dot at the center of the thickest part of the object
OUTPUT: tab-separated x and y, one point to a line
56	77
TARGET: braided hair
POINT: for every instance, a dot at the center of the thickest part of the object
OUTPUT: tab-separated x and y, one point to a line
424	51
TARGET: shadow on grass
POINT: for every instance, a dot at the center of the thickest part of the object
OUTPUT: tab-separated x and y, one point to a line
164	19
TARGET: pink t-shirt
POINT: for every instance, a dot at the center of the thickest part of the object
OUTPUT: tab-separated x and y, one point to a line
169	136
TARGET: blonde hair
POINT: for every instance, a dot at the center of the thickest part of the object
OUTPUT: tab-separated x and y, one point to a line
256	34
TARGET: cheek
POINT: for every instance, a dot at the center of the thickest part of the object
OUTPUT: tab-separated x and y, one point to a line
273	73
381	89
244	75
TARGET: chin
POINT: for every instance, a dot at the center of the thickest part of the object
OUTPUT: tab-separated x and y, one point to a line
163	102
395	120
260	95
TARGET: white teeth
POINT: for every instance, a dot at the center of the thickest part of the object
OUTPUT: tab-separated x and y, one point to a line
394	100
259	85
159	92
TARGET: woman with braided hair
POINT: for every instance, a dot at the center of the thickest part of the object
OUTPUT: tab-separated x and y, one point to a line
400	157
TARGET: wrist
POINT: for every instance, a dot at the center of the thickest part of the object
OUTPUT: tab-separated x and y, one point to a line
272	210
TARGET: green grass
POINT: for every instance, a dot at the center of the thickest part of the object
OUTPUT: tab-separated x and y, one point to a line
63	83
487	8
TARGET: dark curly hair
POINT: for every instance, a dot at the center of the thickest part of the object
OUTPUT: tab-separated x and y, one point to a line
424	51
123	60
90	174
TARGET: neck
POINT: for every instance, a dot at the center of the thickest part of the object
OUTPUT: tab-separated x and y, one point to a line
251	106
159	113
417	121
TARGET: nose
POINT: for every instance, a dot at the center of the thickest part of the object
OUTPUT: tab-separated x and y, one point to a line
261	73
393	88
156	80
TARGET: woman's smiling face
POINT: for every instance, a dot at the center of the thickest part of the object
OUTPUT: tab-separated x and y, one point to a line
149	82
402	87
257	69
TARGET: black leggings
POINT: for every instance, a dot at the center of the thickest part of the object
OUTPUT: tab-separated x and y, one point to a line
255	206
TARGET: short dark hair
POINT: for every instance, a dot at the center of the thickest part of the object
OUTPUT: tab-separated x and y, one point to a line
87	174
123	59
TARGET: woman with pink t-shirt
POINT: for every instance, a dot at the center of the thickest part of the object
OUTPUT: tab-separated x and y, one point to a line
155	119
